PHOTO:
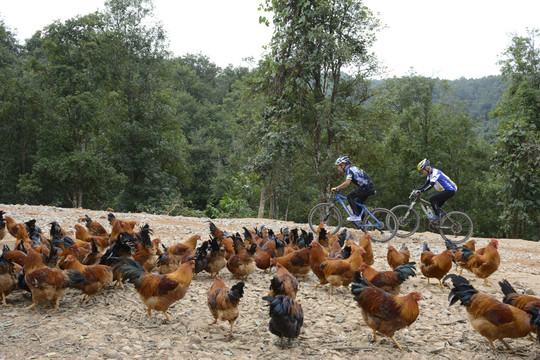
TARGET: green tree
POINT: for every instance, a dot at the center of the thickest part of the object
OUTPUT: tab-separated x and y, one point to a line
315	82
517	155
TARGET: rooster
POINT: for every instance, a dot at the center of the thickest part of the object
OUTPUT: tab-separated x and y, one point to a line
483	265
493	319
94	228
286	317
223	302
382	311
389	281
158	292
521	301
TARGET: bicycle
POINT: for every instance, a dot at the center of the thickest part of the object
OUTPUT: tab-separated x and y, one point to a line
328	213
454	226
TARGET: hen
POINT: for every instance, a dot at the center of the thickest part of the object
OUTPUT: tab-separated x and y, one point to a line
215	258
223	302
389	281
340	272
493	319
102	242
158	292
8	281
317	256
286	317
284	283
119	225
169	260
365	243
396	258
94	228
382	311
483	265
48	284
241	264
296	262
97	277
435	266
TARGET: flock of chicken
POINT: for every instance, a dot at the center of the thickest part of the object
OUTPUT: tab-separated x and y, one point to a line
93	257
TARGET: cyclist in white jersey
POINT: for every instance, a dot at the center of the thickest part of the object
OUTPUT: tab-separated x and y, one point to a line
437	179
365	187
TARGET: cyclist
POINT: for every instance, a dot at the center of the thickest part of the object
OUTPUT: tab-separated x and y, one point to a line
437	179
365	187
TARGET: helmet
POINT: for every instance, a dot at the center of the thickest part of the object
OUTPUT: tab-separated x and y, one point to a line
341	160
422	164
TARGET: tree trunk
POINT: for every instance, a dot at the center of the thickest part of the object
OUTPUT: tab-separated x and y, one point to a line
262	200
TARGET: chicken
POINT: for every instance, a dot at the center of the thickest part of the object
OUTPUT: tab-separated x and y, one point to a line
119	225
223	302
62	241
340	272
435	266
483	265
97	277
284	283
296	262
521	301
458	253
17	256
365	243
389	281
119	249
242	264
215	259
286	317
16	229
169	260
8	281
268	249
158	292
48	284
382	311
102	242
94	228
317	256
37	238
93	256
493	319
395	257
143	249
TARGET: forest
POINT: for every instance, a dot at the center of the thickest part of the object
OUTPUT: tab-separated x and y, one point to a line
96	112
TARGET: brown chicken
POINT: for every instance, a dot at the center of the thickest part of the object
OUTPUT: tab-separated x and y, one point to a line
119	225
296	262
365	243
97	277
486	264
242	263
215	258
458	253
435	266
158	292
396	258
102	242
8	281
94	228
172	256
264	253
16	229
382	311
389	281
521	301
493	319
48	284
340	272
223	302
317	256
284	283
143	249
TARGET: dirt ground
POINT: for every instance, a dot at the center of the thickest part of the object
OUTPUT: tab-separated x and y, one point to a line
114	324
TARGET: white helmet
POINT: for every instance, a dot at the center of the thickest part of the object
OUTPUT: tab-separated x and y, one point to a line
341	160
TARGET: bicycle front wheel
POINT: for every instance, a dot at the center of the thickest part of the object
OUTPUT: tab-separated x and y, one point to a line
408	220
382	224
456	227
325	213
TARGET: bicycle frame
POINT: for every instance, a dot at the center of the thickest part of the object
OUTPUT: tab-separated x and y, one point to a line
423	205
363	212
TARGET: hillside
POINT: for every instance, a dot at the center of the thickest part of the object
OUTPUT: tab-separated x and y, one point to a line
114	324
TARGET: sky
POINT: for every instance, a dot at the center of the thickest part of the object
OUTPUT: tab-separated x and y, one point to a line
434	38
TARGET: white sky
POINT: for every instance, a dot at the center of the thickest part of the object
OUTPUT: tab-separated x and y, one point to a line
445	39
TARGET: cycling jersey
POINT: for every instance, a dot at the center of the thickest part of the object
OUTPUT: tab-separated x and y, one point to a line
439	181
358	176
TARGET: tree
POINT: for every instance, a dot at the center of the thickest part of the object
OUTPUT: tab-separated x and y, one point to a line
517	155
314	79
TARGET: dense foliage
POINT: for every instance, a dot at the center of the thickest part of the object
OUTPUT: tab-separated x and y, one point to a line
96	113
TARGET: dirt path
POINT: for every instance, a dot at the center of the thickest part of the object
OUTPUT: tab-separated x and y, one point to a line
114	325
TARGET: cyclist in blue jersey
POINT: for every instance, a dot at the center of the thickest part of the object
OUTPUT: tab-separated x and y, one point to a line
437	179
365	187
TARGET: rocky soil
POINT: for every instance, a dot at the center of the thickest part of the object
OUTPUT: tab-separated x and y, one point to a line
114	324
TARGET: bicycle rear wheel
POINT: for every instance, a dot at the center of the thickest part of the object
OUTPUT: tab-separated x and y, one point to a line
382	224
408	220
326	213
456	227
